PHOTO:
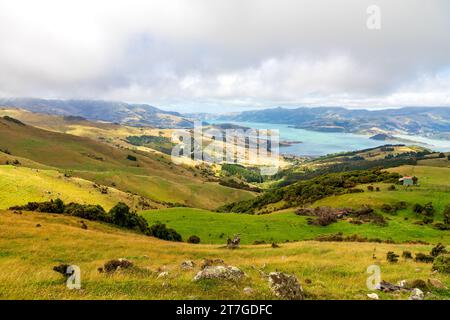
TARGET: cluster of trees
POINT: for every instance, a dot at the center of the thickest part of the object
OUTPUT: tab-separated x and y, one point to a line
247	174
159	143
304	192
120	215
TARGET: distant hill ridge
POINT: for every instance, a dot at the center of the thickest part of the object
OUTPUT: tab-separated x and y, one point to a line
111	111
411	120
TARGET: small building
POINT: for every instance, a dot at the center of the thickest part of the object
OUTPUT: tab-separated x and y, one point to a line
407	181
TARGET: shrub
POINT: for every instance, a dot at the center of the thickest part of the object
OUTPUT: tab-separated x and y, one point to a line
442	263
89	212
370	188
131	158
438	249
421	257
417	208
52	206
446	214
121	215
392	257
193	239
407	255
392	188
442	226
427	220
160	231
387	208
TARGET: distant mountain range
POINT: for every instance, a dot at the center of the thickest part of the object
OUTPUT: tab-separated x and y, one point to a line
410	120
111	111
427	121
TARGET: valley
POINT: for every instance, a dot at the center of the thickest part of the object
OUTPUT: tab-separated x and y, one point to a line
44	158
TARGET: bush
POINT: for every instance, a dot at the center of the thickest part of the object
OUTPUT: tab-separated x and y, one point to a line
392	188
89	212
392	257
121	216
193	239
442	263
370	188
438	249
421	257
446	214
56	206
427	220
417	208
131	158
407	255
160	231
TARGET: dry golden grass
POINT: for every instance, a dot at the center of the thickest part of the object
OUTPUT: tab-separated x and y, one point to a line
28	253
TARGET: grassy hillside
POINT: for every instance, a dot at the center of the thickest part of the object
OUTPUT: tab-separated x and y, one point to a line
213	227
20	185
325	270
284	225
151	176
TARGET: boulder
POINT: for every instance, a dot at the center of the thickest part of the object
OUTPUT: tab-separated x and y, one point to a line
212	262
285	286
416	294
435	283
248	291
373	296
220	272
234	243
388	287
187	265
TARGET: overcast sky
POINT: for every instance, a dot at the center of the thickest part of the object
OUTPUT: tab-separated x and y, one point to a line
225	55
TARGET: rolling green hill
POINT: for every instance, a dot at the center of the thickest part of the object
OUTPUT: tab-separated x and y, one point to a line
20	185
213	227
151	176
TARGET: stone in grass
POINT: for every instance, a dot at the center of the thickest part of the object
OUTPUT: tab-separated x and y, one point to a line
220	272
373	296
416	294
187	265
285	286
436	283
212	262
248	291
163	274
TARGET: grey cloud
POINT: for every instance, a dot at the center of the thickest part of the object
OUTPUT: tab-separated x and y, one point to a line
217	53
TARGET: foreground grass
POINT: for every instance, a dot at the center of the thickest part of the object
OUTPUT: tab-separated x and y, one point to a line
214	227
28	253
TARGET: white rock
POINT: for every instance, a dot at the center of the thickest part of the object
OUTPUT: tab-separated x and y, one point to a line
220	272
162	275
248	291
416	294
373	296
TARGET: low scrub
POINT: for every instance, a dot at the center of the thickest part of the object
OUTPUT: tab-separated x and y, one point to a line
305	192
120	215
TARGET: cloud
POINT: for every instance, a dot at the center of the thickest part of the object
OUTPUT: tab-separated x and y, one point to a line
208	54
